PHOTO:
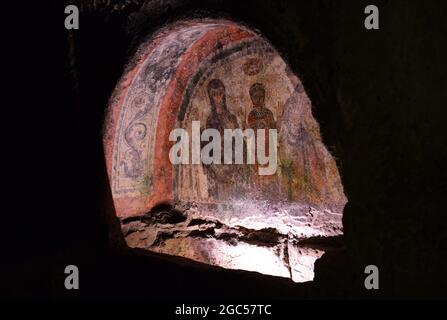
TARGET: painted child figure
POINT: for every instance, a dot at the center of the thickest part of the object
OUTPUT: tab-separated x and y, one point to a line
260	117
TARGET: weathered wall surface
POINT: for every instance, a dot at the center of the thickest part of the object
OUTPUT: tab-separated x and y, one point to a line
167	89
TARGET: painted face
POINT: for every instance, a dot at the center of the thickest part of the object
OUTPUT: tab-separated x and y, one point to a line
217	96
258	97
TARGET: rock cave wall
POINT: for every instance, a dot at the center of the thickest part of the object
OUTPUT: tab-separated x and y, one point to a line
377	96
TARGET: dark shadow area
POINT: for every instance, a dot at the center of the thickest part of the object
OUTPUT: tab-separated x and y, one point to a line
378	97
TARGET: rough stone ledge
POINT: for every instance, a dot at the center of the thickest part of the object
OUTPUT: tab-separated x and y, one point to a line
191	234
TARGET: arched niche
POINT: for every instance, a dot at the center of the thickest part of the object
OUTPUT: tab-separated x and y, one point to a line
170	84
